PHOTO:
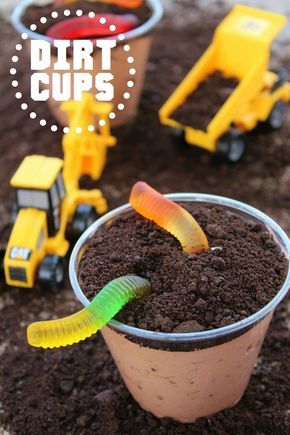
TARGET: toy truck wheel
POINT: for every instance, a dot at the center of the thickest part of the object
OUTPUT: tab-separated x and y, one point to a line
14	212
51	272
277	116
231	147
84	216
2	255
282	78
178	136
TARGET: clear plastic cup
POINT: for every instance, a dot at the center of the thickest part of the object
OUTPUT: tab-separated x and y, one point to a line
139	40
190	375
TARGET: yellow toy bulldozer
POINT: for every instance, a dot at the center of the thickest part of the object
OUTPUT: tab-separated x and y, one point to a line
240	49
49	202
37	244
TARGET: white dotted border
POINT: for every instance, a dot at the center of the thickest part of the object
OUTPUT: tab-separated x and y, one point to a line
33	115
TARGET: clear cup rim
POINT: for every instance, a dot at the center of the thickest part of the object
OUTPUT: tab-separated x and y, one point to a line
155	5
191	336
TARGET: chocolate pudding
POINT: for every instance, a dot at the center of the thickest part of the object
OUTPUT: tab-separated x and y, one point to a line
198	340
218	287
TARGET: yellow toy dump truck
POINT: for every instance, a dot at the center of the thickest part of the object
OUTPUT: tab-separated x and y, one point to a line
240	49
37	244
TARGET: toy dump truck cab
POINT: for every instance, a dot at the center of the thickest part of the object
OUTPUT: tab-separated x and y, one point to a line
241	49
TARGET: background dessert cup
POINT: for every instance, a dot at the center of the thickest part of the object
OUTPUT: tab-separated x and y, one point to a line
187	376
139	40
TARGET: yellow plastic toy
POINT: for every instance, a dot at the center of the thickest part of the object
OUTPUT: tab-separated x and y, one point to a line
84	148
49	201
44	209
241	49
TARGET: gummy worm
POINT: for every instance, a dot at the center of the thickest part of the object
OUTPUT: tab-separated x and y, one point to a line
79	326
168	215
124	3
86	27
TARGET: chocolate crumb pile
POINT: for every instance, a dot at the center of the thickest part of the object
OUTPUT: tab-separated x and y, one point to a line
194	292
203	104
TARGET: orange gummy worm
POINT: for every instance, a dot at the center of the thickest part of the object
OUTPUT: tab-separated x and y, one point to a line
168	215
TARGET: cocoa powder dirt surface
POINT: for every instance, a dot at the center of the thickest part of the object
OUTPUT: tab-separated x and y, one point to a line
213	93
193	292
78	390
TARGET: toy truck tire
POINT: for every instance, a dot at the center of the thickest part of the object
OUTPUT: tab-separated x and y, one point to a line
84	216
51	272
282	78
277	116
178	136
2	255
14	212
231	147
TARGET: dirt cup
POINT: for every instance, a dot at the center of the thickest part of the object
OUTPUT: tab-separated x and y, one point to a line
139	40
185	376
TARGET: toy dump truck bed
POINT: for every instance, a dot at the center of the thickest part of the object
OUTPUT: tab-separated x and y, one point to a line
213	93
